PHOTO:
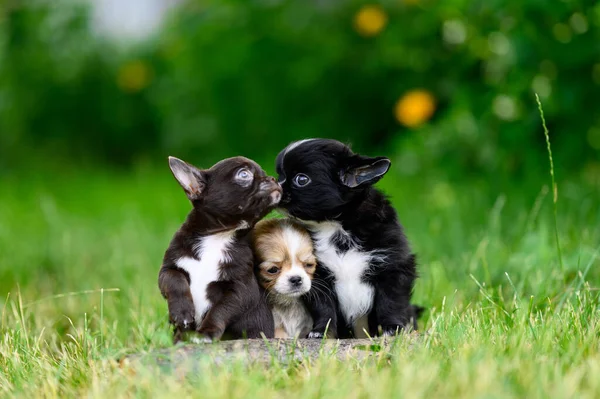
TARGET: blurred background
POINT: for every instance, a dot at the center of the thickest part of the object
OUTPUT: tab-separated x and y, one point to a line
95	94
447	85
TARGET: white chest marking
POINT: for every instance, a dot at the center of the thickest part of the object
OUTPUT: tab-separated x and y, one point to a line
355	297
211	252
293	319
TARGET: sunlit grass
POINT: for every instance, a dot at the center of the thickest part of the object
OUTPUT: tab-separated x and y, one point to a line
79	257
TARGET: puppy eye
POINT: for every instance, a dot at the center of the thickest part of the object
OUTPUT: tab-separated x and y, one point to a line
309	265
272	270
301	180
244	175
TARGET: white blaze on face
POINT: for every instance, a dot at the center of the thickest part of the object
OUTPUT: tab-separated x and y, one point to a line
289	148
295	145
295	242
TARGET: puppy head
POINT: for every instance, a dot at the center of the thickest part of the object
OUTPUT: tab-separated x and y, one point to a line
284	252
321	177
234	189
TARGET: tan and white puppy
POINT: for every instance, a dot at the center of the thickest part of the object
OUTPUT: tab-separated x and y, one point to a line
285	264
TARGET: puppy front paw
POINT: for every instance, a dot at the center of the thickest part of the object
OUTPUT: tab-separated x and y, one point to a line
182	315
319	333
200	339
315	335
210	332
392	330
190	336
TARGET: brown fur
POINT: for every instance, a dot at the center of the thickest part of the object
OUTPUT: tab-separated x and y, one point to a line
271	250
238	307
285	265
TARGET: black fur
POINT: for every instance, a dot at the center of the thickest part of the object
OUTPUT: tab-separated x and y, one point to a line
238	305
341	190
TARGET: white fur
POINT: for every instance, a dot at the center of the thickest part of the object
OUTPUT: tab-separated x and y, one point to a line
243	225
293	241
295	145
291	147
289	312
348	268
200	340
275	197
293	317
211	251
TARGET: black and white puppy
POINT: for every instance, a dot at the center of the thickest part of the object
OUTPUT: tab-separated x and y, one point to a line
363	254
207	275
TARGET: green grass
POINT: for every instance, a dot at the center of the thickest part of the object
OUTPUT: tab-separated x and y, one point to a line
80	253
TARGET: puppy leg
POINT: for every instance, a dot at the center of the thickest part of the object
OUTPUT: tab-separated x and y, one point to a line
324	317
227	306
393	311
175	287
253	322
321	303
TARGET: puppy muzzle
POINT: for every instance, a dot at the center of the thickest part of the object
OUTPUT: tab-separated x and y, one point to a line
270	186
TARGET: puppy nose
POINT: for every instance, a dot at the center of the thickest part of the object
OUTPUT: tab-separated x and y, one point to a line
269	183
296	281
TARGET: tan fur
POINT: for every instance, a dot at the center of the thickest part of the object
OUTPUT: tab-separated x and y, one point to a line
271	250
276	247
280	333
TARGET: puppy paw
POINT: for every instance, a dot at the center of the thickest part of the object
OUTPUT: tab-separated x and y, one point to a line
210	332
182	315
315	335
391	331
200	339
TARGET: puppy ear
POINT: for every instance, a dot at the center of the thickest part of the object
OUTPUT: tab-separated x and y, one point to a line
189	177
365	170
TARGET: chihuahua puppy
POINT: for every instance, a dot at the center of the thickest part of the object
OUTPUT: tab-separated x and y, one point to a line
207	275
285	264
365	256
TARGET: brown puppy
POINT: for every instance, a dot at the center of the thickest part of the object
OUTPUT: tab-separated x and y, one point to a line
285	265
207	275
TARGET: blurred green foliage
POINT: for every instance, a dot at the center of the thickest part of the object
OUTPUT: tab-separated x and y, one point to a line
246	77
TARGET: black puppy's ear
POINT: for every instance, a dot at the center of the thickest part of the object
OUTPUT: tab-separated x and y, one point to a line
189	177
365	170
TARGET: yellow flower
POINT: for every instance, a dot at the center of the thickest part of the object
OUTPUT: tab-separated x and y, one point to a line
370	20
134	76
414	108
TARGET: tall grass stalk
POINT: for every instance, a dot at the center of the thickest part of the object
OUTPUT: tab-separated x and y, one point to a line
554	186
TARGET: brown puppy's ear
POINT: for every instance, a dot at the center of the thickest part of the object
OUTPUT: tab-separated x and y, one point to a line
364	170
189	177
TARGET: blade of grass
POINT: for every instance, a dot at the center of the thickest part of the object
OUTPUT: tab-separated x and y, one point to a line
554	187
